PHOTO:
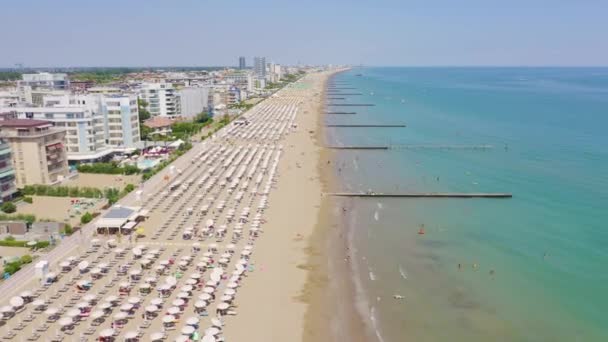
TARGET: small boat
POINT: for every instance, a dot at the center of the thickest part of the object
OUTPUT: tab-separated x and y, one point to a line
359	75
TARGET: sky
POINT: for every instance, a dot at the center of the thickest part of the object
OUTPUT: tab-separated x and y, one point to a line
60	33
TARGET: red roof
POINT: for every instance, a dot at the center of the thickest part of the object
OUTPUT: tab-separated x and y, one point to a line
158	122
23	123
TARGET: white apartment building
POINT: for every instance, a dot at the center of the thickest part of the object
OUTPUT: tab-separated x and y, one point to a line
192	101
45	80
161	99
96	124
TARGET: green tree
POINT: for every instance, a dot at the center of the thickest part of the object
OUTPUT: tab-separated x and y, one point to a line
86	218
26	259
142	107
8	207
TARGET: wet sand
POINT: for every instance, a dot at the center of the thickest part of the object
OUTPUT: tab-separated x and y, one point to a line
329	292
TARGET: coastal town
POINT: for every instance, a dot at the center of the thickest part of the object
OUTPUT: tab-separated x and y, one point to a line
132	201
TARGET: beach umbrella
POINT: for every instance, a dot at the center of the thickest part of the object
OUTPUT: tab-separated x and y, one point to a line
182	338
229	292
120	315
26	294
107	333
168	319
208	290
173	310
137	251
171	280
215	277
211	283
97	314
9	309
205	296
126	307
83	265
65	321
183	295
131	335
191	281
186	288
103	265
105	305
178	302
216	322
73	313
144	286
212	331
157	336
232	285
151	308
150	279
192	321
226	298
51	311
230	246
96	270
89	297
82	305
134	300
208	338
223	306
200	304
156	301
135	272
38	302
188	330
16	302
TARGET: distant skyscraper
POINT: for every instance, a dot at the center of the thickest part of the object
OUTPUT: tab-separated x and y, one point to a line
259	66
242	63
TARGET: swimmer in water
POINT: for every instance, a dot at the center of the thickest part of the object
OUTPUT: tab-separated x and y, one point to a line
460	267
475	266
492	273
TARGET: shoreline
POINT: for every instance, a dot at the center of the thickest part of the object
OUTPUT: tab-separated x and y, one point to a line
329	291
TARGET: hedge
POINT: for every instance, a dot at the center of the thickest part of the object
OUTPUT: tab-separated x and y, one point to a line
16	243
18	217
108	168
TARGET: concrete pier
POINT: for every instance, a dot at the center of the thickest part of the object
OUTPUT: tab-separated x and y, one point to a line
365	125
424	195
352	104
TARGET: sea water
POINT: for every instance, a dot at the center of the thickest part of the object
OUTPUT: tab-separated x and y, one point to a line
530	268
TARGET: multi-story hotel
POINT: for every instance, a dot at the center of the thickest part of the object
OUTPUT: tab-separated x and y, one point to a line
161	99
96	124
7	174
38	151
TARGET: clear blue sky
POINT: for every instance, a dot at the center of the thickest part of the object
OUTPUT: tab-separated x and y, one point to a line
372	32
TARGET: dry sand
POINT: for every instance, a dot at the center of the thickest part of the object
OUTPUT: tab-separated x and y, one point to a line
272	305
286	298
101	181
59	209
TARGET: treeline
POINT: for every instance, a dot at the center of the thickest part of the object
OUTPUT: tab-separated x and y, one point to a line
9	75
111	194
108	168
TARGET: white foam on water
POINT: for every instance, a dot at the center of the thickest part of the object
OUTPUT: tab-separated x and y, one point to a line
376	216
372	276
372	318
379	205
355	164
402	272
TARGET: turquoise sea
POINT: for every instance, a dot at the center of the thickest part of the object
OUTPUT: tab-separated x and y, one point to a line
530	268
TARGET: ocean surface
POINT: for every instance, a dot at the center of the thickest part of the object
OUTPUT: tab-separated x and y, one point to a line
530	268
